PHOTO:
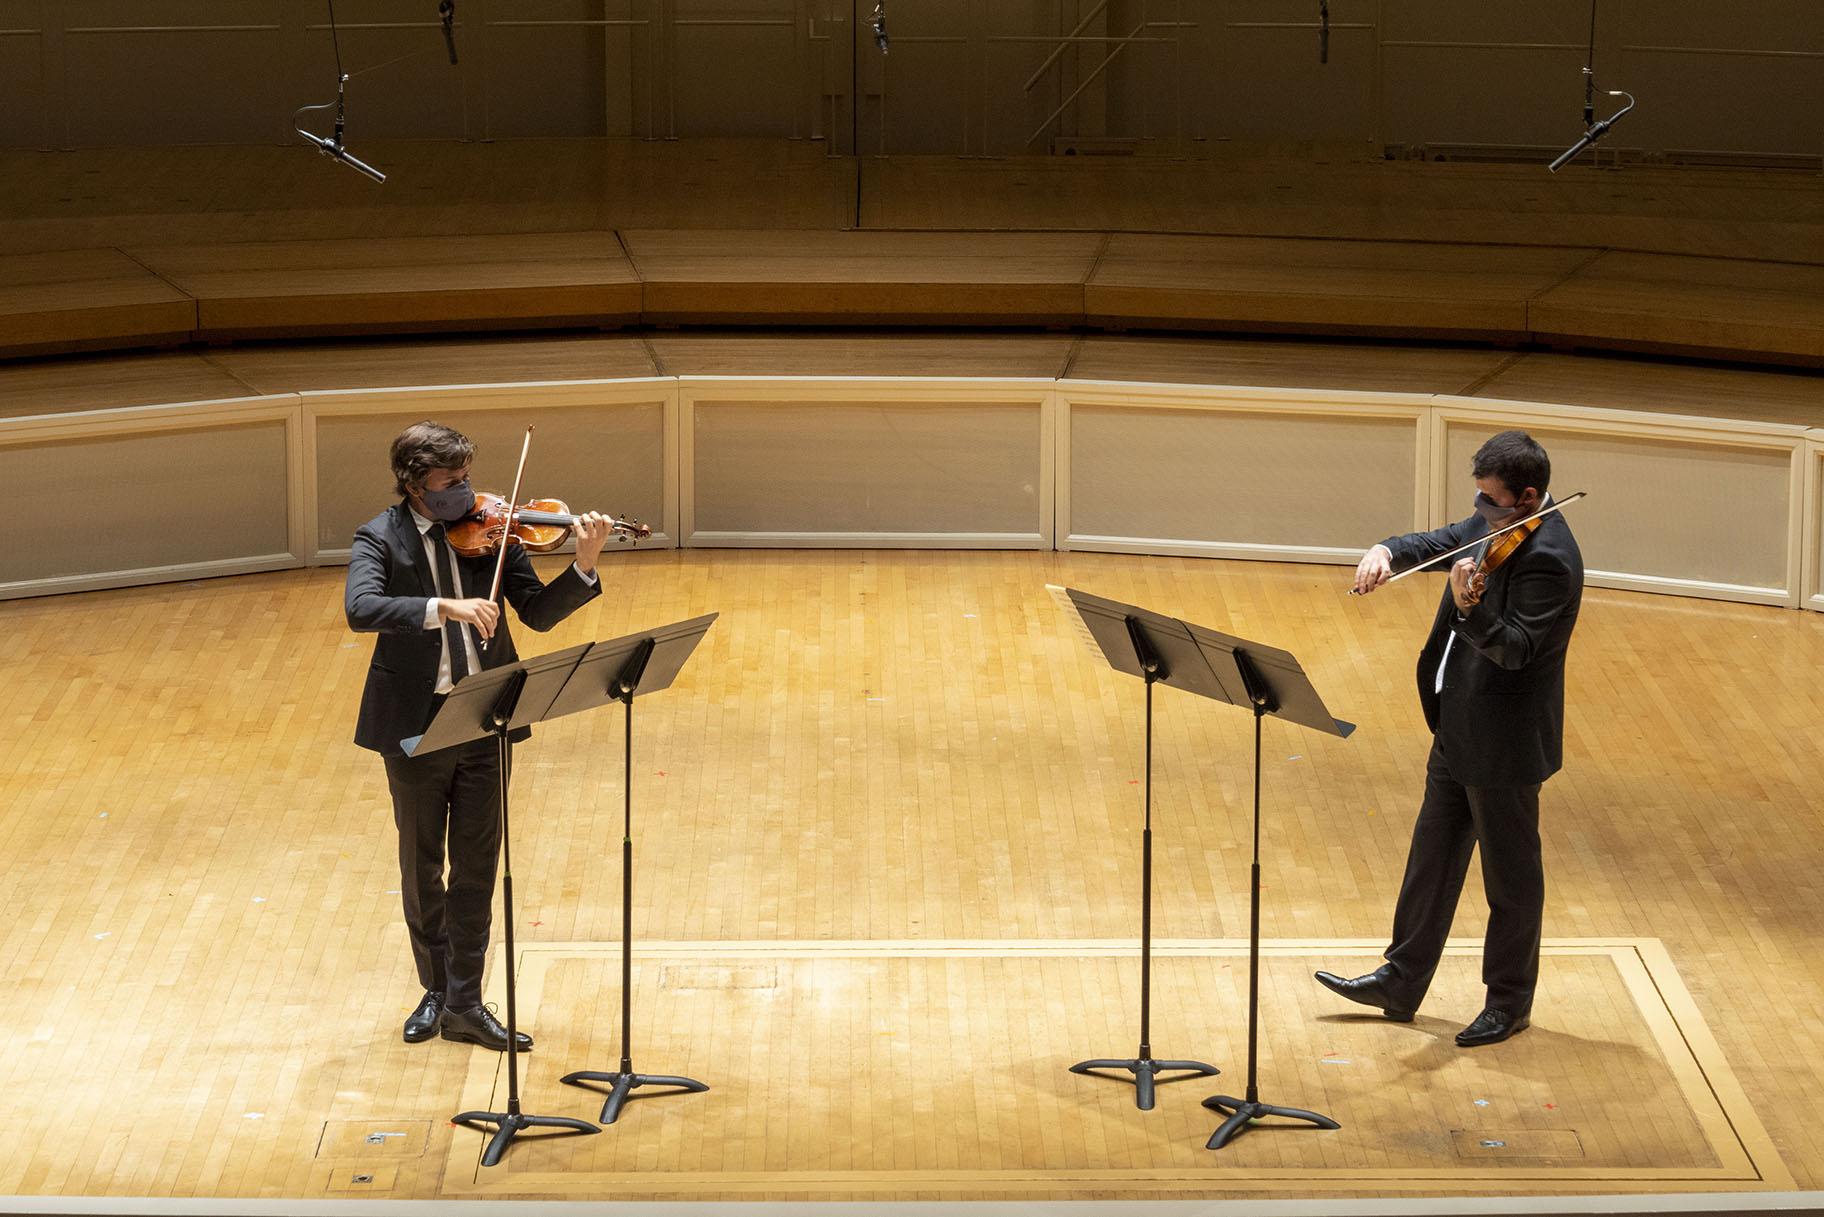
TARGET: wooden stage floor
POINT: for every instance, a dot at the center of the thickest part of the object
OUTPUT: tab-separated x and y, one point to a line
888	866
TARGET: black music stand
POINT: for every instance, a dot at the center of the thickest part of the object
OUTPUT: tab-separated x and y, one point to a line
497	702
1265	680
1159	650
622	670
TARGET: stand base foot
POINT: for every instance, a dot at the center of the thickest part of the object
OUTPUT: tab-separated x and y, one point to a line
1146	1071
509	1124
623	1084
1244	1113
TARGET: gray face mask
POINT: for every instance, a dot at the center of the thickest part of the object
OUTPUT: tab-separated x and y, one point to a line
1485	507
1497	515
451	503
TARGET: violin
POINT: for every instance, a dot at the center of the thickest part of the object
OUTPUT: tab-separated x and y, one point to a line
539	526
1499	551
494	525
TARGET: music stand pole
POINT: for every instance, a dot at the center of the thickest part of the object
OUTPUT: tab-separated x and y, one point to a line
1144	1068
509	1123
1243	1112
624	1081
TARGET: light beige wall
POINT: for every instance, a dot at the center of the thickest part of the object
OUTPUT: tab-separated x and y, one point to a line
594	448
843	469
1716	508
960	77
1224	475
1709	509
195	496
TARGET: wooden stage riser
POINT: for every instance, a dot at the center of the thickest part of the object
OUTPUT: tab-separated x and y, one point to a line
1719	508
1561	297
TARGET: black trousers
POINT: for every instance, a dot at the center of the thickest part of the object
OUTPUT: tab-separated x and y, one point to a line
448	801
1453	820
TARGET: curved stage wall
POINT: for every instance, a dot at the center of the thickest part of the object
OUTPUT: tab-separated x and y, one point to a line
1716	508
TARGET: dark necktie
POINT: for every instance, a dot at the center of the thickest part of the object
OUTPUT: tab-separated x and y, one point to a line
446	580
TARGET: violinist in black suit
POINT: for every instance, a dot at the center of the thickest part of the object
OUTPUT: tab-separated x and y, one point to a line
1491	681
430	607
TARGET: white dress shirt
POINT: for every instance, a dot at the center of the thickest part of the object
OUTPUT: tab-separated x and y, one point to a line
433	620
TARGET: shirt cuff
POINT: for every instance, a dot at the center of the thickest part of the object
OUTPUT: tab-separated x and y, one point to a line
591	578
430	614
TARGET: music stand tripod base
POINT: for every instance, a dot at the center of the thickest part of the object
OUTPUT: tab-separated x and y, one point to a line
509	1124
624	1083
1243	1113
1146	1071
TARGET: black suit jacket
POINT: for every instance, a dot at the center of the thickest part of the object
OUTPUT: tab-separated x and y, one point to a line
389	583
1500	718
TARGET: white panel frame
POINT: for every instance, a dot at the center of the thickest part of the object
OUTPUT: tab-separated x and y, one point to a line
525	397
1285	402
1812	534
1664	428
218	414
844	390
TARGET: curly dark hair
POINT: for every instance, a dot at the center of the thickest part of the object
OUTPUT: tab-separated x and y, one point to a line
423	447
1517	459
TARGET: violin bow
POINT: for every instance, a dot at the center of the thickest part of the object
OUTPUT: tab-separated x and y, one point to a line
1557	505
500	562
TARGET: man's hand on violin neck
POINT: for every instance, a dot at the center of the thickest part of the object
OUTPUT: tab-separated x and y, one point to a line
1466	584
591	534
484	615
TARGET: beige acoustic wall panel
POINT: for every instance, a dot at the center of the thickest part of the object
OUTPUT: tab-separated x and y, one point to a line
841	470
171	503
1234	482
1694	516
593	450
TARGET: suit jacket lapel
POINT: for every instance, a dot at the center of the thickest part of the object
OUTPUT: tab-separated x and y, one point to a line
411	545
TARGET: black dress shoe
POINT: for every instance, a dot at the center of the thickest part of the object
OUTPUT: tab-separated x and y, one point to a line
1370	990
423	1022
1491	1027
477	1025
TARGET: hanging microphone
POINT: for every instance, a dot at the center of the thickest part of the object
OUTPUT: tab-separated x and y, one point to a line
1593	130
331	146
1323	31
1596	132
879	22
335	151
446	9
